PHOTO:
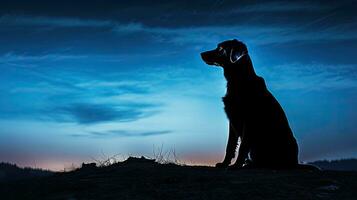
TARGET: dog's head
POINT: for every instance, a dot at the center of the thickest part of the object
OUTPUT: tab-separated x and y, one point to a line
227	53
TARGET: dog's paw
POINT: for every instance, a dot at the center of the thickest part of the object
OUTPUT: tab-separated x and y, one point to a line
236	167
222	165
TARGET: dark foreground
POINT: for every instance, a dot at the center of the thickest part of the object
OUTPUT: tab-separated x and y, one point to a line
143	179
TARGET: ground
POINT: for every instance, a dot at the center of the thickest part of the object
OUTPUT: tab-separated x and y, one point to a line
144	179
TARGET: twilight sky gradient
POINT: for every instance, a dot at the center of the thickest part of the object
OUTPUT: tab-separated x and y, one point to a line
82	78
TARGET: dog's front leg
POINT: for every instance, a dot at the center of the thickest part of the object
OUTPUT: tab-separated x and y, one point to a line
243	151
231	147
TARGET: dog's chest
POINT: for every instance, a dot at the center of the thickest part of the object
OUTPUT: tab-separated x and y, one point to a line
244	96
234	95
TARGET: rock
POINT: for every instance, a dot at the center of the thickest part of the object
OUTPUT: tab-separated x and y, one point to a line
89	166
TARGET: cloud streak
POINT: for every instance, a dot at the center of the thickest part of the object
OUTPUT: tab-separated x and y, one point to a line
283	6
64	22
311	77
270	24
259	35
122	133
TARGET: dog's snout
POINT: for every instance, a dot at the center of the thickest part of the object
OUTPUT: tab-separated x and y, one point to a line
209	57
204	55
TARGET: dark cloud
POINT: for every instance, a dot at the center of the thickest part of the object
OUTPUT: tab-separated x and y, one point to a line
122	133
169	13
54	89
84	113
120	27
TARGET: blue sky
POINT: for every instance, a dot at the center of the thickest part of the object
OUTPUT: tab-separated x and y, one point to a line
79	79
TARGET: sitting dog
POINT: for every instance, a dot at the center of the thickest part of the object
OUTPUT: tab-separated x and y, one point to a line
255	116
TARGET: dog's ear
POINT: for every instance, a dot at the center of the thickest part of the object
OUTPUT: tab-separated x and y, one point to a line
236	54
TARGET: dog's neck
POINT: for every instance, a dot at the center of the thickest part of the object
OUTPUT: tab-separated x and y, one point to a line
240	73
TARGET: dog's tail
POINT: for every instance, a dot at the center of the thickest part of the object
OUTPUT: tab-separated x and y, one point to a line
308	167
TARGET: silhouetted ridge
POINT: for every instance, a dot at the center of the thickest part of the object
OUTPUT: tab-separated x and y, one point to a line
341	165
13	172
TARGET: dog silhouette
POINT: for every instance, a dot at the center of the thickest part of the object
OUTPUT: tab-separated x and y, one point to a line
255	116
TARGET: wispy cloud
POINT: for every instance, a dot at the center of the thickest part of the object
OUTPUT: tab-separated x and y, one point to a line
32	61
52	21
283	6
120	87
8	57
254	34
122	133
297	76
270	28
12	59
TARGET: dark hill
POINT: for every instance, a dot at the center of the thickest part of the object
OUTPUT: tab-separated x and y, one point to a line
340	165
145	179
10	172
